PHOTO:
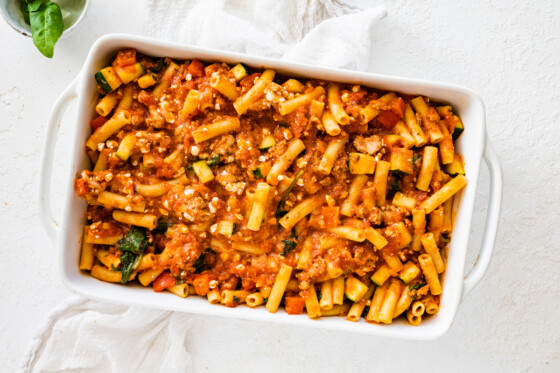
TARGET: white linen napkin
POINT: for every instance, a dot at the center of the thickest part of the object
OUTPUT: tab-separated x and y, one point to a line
90	336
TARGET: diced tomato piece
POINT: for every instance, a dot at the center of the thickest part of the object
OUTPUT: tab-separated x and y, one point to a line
196	68
125	58
398	106
387	119
81	187
97	122
164	281
201	284
294	305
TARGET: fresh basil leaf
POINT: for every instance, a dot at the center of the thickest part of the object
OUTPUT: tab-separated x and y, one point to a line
34	5
24	11
234	228
46	27
283	124
415	158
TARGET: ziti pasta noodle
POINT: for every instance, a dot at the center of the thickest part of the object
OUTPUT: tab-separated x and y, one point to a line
251	188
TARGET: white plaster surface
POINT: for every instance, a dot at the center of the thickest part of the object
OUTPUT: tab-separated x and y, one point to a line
507	51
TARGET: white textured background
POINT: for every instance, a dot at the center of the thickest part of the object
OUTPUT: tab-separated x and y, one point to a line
508	52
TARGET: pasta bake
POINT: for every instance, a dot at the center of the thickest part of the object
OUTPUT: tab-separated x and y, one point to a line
249	187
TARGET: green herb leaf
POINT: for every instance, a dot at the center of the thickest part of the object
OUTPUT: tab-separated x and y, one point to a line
415	157
444	239
162	226
24	10
33	6
214	161
234	229
416	286
129	262
46	27
135	241
257	173
280	209
289	245
205	261
283	124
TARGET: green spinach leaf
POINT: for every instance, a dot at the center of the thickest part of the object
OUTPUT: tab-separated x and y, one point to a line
132	247
205	261
162	226
280	209
289	245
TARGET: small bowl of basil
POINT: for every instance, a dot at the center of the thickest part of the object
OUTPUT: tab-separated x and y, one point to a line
43	20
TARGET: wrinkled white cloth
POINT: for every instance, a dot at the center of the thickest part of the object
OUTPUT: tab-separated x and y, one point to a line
87	336
90	336
332	33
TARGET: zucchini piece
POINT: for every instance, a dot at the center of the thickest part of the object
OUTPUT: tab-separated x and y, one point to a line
125	147
381	275
403	236
267	142
147	80
203	171
227	228
239	71
354	289
409	272
458	128
401	160
444	110
361	164
456	166
108	79
130	72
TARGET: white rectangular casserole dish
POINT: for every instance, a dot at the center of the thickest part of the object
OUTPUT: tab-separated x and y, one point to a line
66	235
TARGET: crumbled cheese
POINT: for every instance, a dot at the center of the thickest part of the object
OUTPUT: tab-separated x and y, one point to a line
100	146
262	158
128	208
189	77
188	192
213	284
280	177
240	267
195	150
269	96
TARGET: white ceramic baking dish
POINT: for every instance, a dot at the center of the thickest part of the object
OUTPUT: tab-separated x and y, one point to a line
66	235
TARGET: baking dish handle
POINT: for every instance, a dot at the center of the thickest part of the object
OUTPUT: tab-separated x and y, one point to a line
492	219
45	177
